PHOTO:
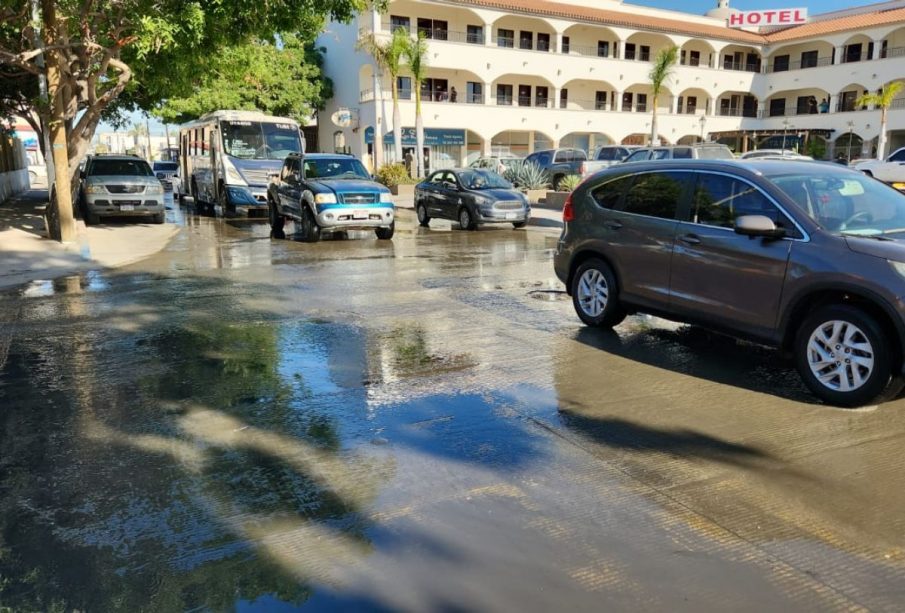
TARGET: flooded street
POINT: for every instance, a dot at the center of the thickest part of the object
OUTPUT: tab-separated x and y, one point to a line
422	424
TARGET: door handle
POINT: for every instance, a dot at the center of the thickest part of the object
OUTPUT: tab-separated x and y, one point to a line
690	239
613	225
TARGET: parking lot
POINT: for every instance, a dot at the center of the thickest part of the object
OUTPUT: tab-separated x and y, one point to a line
417	424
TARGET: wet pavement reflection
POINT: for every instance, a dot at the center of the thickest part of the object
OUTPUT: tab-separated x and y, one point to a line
244	423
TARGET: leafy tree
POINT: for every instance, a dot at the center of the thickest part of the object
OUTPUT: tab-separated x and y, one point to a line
416	55
659	76
882	100
280	77
388	56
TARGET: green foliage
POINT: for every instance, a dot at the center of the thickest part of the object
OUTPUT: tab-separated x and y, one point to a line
816	148
392	175
526	175
569	183
882	99
285	79
662	69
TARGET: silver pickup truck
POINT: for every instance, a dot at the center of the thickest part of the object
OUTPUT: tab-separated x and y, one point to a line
606	156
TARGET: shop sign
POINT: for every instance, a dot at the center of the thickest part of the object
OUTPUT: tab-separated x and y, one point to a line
433	137
345	118
771	18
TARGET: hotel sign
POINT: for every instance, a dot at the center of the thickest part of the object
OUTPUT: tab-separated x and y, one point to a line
771	18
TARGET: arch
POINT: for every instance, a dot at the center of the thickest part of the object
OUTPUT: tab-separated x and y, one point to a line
519	143
848	96
517	24
848	146
736	103
591	40
690	139
520	94
457	19
698	52
449	85
589	95
893	44
637	97
693	101
641	139
476	146
740	57
800	55
804	101
587	141
652	41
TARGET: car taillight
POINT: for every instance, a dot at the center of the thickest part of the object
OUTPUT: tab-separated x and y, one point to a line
568	214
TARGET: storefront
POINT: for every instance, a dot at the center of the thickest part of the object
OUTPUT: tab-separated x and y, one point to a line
443	147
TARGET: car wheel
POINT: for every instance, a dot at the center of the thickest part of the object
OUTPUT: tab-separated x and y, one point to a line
465	220
518	225
423	218
311	232
158	218
845	358
595	295
557	180
92	220
228	209
386	234
277	221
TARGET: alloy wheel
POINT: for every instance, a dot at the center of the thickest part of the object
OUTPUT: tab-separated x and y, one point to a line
593	292
840	355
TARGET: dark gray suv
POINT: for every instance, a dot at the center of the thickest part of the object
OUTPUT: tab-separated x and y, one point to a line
805	256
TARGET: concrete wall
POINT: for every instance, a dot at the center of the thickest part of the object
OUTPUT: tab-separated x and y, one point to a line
13	168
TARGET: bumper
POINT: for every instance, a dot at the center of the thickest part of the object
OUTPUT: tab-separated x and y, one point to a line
562	260
504	216
252	200
126	204
357	218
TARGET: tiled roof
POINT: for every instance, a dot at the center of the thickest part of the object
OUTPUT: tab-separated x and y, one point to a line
690	28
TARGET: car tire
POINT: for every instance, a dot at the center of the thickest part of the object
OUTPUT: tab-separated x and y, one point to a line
311	232
228	209
423	218
158	218
556	182
826	346
518	225
466	221
386	234
595	295
277	221
92	220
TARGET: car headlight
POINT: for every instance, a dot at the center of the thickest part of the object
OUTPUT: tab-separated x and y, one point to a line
386	197
233	176
154	189
95	189
325	198
899	267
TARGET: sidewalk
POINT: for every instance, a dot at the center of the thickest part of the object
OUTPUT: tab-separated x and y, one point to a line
547	219
27	255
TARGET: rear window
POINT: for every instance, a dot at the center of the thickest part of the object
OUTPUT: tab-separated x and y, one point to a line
166	166
120	168
641	154
682	153
611	154
715	153
541	159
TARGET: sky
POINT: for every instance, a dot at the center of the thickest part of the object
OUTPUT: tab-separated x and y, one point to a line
702	6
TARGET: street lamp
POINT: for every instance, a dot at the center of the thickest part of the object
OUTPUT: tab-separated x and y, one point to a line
785	126
851	128
703	121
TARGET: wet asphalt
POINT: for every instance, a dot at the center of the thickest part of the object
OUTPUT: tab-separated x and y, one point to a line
248	424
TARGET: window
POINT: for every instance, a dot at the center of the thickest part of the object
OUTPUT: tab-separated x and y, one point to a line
853	53
681	153
639	156
474	92
122	168
641	106
806	105
603	48
404	84
778	107
718	200
433	28
504	95
781	63
525	40
505	38
541	96
578	155
600	101
629	51
645	53
435	90
691	105
398	22
475	35
809	59
627	98
563	98
694	58
610	154
565	44
524	95
541	158
543	42
660	154
563	155
609	195
656	194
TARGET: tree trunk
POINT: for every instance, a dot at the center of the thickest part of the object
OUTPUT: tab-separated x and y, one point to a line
397	122
61	218
653	125
419	131
881	140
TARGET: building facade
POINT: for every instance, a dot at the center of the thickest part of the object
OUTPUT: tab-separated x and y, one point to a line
507	77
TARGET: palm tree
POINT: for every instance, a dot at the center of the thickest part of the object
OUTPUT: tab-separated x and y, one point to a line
660	74
416	55
387	56
882	100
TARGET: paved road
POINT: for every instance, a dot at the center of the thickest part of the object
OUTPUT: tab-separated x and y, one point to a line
422	424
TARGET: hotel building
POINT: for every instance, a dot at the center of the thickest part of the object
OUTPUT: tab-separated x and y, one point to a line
508	77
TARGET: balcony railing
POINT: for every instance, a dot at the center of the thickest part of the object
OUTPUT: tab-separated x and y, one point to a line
892	52
799	65
740	66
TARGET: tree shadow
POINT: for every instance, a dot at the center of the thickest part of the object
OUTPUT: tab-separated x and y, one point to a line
25	212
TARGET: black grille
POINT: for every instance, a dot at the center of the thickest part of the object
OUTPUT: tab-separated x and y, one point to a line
127	202
359	198
126	189
509	206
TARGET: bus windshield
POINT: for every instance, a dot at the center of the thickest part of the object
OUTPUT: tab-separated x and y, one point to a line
255	140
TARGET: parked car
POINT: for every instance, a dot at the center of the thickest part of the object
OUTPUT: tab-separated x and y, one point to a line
773	153
168	173
890	170
558	163
496	164
606	156
704	151
329	193
472	197
806	257
120	185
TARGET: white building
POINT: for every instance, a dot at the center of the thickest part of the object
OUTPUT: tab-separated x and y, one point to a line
513	76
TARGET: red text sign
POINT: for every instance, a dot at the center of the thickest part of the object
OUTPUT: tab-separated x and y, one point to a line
775	17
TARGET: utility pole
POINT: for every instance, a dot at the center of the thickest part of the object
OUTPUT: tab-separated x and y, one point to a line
57	125
42	88
148	135
166	130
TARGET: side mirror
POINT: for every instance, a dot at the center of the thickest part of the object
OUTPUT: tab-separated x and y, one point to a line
758	225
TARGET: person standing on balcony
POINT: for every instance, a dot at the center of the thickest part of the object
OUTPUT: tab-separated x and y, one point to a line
453	94
825	105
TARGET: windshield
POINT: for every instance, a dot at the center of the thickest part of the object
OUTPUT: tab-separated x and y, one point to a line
335	168
483	179
121	168
166	166
846	203
715	153
254	140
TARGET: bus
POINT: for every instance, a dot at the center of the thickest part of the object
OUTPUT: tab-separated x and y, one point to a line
227	158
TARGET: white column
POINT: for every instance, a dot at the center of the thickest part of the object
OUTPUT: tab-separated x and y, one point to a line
487	149
618	51
489	95
878	46
557	42
674	105
834	100
619	101
488	34
557	92
840	54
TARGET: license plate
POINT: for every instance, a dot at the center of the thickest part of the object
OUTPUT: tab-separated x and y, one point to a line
511	215
127	207
359	214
